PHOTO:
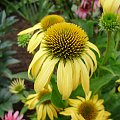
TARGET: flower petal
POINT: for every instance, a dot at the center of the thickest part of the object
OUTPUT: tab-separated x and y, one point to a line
91	45
35	41
45	74
67	80
37	56
84	77
31	29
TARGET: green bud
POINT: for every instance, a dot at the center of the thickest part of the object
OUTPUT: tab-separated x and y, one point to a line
23	40
109	22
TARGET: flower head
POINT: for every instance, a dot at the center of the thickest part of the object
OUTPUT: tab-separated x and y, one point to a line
67	45
110	19
13	116
17	86
86	7
89	108
43	109
37	31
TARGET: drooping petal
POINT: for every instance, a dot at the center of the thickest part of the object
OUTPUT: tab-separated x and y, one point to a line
75	73
34	42
67	80
60	76
31	29
44	112
93	57
53	110
37	65
91	45
84	77
39	111
37	56
45	74
49	112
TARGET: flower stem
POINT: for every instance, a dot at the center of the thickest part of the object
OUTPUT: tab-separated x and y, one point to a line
107	48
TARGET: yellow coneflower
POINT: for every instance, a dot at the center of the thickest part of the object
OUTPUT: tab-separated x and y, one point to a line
88	108
17	86
38	30
117	87
43	109
110	19
67	45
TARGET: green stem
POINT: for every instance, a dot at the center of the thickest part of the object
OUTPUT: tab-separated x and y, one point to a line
107	49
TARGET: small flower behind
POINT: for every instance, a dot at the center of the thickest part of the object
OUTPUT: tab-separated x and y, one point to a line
88	108
86	7
17	86
43	109
34	35
13	116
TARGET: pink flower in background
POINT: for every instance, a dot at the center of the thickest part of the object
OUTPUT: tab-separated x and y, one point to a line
85	8
11	116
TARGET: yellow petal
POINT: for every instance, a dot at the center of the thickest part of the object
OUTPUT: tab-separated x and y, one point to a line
37	65
75	73
33	43
67	80
107	6
45	74
115	6
92	55
88	95
53	110
91	45
84	77
60	76
44	112
37	56
31	29
49	112
39	112
88	63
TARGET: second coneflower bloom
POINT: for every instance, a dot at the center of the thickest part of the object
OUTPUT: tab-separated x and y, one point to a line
88	108
65	45
37	32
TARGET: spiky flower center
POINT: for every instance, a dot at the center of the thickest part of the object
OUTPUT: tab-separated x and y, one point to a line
65	40
88	110
109	21
49	20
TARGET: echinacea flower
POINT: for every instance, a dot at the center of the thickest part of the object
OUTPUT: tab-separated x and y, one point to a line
67	45
17	86
110	19
88	108
13	116
86	7
43	109
37	31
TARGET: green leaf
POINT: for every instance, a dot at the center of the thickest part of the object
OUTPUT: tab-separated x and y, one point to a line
1	113
97	83
22	75
56	97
